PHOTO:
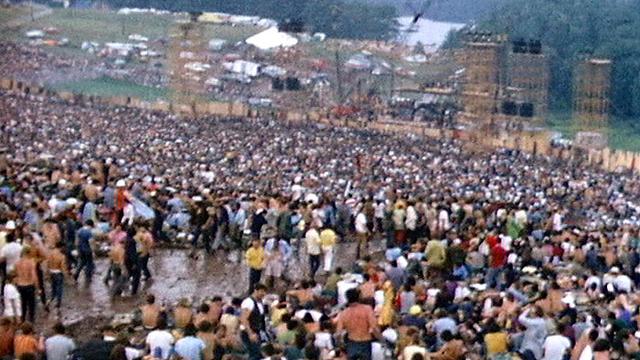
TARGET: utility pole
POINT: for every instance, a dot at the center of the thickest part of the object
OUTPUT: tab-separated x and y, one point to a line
339	75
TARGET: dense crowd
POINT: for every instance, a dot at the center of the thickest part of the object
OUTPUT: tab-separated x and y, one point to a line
497	255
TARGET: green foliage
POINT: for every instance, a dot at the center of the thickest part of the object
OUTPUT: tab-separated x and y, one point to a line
570	29
106	87
336	18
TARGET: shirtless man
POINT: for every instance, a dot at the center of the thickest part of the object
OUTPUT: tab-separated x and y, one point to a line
57	267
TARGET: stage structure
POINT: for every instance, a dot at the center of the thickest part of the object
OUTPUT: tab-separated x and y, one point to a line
591	94
187	63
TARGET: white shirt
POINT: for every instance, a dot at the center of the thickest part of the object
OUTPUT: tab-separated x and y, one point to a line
160	339
587	353
11	293
249	304
555	346
505	242
557	222
622	283
443	220
379	211
312	240
411	220
128	214
361	224
323	341
592	280
11	253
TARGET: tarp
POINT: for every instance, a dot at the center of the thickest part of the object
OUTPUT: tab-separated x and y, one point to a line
214	18
142	210
271	38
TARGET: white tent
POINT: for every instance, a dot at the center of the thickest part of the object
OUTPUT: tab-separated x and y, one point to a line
271	38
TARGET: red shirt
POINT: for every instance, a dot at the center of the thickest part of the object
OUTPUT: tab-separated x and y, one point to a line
492	240
498	256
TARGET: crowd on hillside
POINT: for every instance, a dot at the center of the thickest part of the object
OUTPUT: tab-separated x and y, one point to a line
497	255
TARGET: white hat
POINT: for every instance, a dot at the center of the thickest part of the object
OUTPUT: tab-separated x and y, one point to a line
10	225
197	198
615	270
62	182
120	183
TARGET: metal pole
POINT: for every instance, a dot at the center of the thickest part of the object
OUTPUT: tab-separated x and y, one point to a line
339	76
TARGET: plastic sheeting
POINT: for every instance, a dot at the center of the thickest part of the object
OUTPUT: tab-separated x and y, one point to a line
271	38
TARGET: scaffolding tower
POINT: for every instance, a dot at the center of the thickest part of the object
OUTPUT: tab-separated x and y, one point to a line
483	59
186	45
591	93
528	81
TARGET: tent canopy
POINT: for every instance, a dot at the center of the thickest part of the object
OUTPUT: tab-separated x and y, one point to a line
271	38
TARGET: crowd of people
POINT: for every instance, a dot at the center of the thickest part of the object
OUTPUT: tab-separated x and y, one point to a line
498	255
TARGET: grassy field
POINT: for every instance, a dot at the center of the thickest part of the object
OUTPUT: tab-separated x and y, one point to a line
106	86
108	26
10	13
623	134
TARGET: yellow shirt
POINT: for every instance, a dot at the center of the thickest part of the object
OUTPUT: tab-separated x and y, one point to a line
327	238
496	343
255	257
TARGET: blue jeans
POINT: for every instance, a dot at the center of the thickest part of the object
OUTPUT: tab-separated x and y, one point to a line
57	286
86	263
358	350
493	279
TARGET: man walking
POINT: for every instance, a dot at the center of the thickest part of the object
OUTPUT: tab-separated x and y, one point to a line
255	260
26	280
57	266
312	239
85	251
328	239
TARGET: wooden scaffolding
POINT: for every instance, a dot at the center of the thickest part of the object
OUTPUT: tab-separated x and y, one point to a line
483	59
185	53
591	93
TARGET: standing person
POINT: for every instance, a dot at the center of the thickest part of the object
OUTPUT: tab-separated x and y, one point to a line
85	251
362	233
359	323
255	258
26	281
57	266
238	219
199	218
145	242
328	239
312	240
39	255
59	346
253	320
10	254
535	333
70	233
11	297
411	222
117	268
277	254
132	261
497	263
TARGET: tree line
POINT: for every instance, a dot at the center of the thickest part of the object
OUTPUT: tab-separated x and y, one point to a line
574	29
